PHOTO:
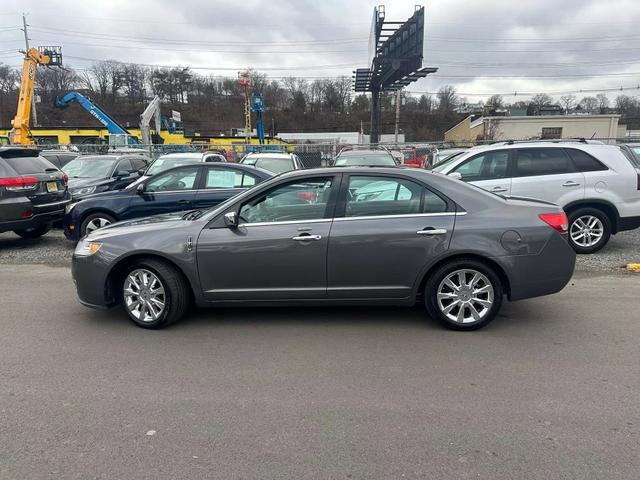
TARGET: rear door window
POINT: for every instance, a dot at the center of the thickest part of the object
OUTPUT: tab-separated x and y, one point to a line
220	178
373	196
532	162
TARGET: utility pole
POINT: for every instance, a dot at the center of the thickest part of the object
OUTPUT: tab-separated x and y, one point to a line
34	115
397	114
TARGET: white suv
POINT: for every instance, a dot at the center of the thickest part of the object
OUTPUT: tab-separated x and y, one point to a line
596	184
273	161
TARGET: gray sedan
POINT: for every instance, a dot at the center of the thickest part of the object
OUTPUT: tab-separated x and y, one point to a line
339	236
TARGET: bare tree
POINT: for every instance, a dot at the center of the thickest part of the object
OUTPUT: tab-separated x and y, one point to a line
626	104
447	99
589	104
603	102
495	102
540	100
568	102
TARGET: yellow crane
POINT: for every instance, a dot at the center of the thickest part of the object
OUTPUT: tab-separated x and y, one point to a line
49	56
244	79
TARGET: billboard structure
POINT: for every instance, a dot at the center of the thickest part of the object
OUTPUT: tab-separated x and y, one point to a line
396	50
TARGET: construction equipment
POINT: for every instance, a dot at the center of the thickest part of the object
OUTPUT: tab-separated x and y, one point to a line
118	135
244	79
151	112
49	56
257	106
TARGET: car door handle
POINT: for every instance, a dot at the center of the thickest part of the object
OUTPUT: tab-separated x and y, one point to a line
499	189
307	238
184	202
570	183
432	231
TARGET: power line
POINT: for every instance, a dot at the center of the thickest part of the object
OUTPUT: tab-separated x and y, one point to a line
310	67
102	45
195	42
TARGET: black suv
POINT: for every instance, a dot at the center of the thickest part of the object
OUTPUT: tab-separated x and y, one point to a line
100	173
33	192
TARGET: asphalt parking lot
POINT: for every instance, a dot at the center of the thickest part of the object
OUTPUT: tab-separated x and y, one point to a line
549	390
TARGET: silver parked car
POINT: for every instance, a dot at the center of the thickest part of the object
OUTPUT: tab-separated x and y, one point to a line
345	236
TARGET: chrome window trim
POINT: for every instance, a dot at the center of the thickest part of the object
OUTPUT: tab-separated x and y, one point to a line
285	222
344	219
407	215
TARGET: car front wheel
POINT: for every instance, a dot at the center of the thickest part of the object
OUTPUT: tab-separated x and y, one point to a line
589	230
32	233
94	222
463	294
154	294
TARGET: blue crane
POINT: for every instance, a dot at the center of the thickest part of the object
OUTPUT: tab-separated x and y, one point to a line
257	106
113	127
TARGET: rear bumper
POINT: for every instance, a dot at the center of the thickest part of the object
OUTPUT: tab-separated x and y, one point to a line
38	218
543	274
628	223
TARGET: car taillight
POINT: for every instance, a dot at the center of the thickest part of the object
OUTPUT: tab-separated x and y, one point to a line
16	184
65	178
557	221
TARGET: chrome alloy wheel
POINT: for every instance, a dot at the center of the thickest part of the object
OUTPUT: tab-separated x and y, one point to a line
465	296
97	223
144	295
586	231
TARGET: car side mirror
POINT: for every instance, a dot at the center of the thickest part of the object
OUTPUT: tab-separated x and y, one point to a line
141	171
122	174
456	175
231	219
140	189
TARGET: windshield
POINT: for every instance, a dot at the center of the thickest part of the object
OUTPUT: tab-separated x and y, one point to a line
445	159
89	167
162	164
368	159
439	167
275	165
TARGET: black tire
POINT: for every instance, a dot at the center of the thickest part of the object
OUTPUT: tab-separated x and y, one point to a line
92	217
439	275
33	233
606	226
177	297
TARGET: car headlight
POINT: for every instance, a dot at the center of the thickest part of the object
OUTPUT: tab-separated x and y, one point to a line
83	190
69	207
86	248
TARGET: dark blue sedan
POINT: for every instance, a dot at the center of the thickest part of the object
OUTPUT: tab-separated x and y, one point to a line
189	187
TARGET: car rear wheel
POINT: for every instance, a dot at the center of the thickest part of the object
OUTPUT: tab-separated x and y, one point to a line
154	294
589	230
34	232
463	294
94	222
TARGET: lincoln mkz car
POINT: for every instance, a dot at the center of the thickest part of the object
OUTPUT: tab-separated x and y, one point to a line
334	236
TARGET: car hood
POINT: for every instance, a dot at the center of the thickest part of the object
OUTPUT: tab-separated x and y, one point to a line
87	182
145	224
108	195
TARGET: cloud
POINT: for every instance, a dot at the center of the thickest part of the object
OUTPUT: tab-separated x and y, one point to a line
480	47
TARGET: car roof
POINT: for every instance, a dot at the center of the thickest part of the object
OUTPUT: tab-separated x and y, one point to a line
186	155
269	155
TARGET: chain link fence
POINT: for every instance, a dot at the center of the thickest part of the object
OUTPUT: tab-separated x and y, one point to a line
312	155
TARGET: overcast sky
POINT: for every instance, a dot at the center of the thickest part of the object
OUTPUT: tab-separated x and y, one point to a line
481	46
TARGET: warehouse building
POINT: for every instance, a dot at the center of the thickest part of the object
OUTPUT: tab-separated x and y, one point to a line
472	129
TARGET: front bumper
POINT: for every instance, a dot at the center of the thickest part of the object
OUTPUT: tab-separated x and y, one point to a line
90	278
543	274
